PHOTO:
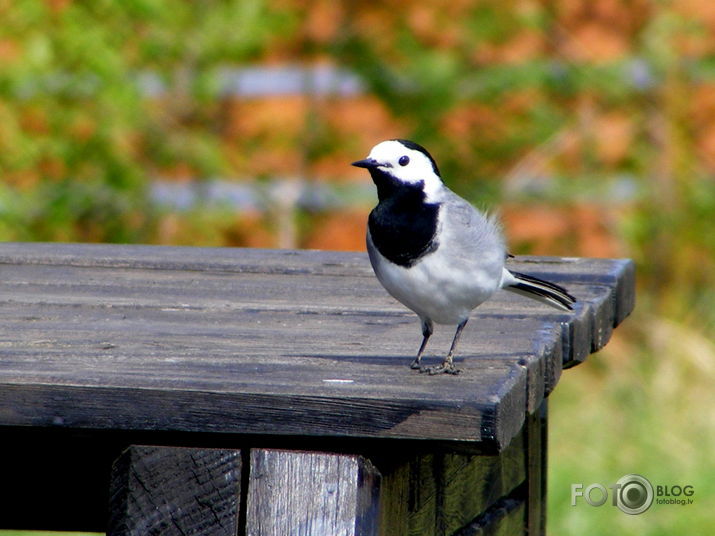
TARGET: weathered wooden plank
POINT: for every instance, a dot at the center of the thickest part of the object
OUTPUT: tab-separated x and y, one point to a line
81	330
201	259
137	285
168	345
213	294
310	493
175	491
608	272
121	408
169	284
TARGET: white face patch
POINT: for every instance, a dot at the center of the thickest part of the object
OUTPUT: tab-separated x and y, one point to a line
409	166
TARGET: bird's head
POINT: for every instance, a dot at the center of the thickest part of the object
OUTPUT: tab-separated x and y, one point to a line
397	164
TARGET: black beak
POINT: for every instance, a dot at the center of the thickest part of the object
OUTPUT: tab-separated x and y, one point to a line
367	163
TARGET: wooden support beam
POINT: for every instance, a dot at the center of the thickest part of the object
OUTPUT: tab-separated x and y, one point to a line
308	493
175	491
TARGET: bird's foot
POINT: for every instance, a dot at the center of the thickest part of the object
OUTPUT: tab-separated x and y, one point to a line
444	368
415	365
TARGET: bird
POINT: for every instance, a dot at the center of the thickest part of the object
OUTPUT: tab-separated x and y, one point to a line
434	251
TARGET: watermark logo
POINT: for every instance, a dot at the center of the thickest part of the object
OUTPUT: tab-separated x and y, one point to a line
632	494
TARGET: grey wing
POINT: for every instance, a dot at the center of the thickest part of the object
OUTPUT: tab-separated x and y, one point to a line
472	233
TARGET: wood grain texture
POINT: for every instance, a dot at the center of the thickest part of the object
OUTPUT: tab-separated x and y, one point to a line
506	518
439	492
147	338
175	491
310	493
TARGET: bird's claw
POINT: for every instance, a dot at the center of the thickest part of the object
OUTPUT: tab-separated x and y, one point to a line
444	368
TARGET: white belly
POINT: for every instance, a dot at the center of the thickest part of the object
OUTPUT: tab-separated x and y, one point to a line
435	287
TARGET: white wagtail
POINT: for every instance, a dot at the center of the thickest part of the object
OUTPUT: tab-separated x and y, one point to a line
435	252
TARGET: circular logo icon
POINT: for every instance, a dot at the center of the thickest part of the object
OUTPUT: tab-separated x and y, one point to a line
634	494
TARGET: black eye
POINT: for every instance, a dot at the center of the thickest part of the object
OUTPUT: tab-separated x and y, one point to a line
404	160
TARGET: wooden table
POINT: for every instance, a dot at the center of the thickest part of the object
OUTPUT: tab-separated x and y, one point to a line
244	391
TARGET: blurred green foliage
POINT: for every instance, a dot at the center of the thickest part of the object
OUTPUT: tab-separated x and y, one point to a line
79	139
81	136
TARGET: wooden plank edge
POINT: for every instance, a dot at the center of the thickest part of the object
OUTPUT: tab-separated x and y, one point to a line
491	422
503	420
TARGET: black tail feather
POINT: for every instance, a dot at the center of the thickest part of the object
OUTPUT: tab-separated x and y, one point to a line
547	291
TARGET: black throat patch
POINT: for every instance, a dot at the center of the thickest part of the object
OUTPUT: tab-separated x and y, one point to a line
402	225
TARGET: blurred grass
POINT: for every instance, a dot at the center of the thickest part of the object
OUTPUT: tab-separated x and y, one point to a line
643	405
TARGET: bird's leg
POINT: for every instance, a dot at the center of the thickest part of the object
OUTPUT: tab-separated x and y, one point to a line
426	333
447	365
